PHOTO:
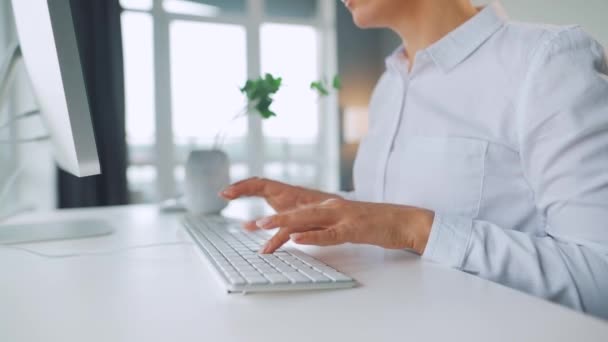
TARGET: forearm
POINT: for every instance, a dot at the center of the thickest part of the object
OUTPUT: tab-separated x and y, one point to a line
560	271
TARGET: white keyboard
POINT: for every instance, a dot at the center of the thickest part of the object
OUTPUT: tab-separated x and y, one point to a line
233	253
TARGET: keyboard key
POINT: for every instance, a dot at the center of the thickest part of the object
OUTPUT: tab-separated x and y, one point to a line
250	273
237	281
338	277
299	278
277	279
299	265
245	268
235	258
286	269
266	269
289	261
227	268
253	256
276	261
312	262
256	280
240	263
315	276
325	269
218	258
232	273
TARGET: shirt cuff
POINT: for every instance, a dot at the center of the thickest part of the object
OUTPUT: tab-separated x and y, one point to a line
449	240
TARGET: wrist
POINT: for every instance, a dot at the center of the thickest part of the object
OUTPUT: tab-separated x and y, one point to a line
422	229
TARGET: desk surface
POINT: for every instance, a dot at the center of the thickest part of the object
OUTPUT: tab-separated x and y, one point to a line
169	294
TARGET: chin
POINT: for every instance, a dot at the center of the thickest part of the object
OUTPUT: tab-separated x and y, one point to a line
363	21
377	13
360	22
367	16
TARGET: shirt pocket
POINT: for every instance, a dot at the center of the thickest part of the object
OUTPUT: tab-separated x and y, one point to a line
444	174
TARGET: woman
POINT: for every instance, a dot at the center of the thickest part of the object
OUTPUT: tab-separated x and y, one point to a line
487	152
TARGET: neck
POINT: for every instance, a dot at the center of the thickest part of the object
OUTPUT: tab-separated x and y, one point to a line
427	21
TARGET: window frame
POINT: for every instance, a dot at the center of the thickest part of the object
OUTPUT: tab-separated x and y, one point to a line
254	17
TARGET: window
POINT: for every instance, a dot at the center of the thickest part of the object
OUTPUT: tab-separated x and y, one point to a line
204	80
291	137
184	63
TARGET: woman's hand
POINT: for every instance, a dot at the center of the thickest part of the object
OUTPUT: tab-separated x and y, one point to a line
280	196
337	221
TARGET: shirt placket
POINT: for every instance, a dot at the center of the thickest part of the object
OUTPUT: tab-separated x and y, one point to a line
393	128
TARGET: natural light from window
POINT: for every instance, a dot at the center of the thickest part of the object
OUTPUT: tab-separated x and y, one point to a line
139	102
290	51
208	66
208	62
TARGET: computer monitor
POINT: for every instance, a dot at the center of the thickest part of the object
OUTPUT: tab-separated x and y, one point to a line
48	46
48	43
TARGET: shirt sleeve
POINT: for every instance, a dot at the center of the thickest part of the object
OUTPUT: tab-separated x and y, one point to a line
563	133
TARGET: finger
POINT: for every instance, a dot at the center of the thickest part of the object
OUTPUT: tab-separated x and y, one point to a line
327	237
281	237
255	186
306	217
250	226
233	190
275	242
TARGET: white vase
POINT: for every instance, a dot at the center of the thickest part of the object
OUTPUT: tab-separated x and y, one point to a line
207	173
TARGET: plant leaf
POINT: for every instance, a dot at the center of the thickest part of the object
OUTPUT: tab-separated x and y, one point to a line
259	93
319	87
337	82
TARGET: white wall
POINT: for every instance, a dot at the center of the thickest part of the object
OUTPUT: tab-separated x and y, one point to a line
591	14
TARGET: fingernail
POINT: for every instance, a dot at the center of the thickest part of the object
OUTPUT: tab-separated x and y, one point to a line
295	236
263	222
263	249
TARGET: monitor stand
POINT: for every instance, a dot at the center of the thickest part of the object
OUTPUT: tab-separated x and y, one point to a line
38	232
61	230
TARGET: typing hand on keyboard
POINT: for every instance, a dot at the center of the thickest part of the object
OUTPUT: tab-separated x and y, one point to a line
317	218
280	196
337	221
233	254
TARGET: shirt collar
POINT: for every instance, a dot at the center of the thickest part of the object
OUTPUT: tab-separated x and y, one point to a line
459	44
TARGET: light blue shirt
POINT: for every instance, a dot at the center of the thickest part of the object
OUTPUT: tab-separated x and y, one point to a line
501	128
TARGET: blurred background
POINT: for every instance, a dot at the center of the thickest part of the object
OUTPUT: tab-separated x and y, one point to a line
163	78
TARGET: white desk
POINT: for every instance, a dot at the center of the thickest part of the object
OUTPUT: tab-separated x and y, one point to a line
168	294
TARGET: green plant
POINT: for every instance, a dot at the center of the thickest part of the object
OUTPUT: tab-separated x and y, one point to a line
260	92
321	86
